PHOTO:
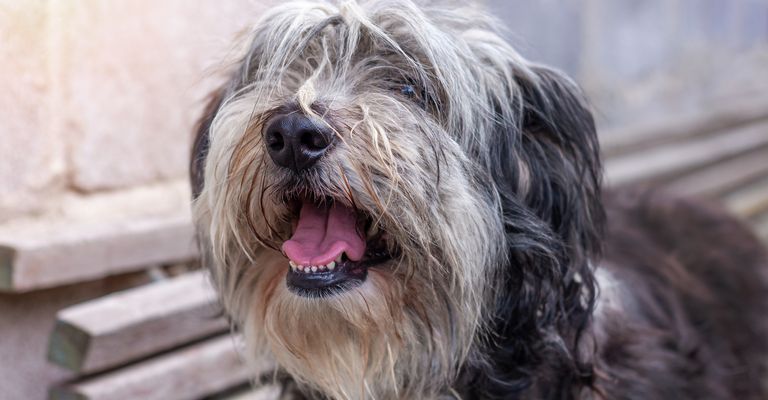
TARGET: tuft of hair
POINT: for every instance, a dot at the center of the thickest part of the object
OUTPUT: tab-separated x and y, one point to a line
484	173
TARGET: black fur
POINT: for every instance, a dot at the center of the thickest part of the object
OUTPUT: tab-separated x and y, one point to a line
698	327
553	228
201	143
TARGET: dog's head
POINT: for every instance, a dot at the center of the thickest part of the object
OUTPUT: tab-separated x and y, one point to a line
385	192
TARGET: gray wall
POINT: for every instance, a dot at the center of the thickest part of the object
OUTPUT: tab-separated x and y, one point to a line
641	58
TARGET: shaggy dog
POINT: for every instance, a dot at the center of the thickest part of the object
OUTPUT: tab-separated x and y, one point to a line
394	204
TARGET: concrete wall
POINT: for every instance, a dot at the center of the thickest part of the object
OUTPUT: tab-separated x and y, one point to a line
96	96
102	94
644	58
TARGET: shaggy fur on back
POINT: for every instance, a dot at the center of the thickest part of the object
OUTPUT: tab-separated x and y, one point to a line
483	171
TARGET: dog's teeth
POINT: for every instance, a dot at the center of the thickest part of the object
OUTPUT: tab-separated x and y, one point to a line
338	258
312	268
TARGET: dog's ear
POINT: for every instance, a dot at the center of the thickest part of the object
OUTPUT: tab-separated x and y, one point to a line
202	141
545	165
560	148
238	78
547	171
547	160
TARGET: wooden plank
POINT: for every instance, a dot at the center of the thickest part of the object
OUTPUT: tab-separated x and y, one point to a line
717	179
750	201
70	253
671	160
190	373
269	392
133	324
6	267
652	133
760	225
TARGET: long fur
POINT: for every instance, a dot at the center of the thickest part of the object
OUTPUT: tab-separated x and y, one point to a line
487	179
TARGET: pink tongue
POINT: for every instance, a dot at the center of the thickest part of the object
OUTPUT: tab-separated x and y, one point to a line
323	233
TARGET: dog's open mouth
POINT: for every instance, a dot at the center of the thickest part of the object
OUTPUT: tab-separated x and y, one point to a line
331	248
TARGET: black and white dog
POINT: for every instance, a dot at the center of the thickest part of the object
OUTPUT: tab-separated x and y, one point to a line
394	204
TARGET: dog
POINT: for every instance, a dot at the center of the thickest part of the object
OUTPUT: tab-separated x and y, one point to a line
395	204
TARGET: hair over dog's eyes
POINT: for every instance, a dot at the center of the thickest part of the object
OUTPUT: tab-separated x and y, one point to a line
408	91
419	96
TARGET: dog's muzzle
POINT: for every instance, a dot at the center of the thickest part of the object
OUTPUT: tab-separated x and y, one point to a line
332	244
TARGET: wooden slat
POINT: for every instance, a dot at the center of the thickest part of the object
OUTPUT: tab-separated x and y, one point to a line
74	253
133	324
269	392
670	160
670	129
717	179
191	373
760	225
750	201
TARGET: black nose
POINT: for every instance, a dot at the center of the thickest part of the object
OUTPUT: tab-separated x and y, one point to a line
295	141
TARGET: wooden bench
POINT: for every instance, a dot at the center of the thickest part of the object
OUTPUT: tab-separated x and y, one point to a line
133	324
189	373
722	155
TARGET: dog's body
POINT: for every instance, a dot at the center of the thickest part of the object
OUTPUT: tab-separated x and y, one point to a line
682	304
395	205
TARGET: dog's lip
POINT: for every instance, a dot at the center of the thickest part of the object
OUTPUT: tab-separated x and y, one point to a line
345	275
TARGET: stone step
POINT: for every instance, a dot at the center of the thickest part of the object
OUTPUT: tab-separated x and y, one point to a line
133	324
92	237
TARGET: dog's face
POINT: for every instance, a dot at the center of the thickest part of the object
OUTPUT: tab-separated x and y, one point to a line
373	182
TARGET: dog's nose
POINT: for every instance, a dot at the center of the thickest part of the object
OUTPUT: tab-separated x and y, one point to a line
296	142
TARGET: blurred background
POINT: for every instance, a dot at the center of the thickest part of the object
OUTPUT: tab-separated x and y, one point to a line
99	293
